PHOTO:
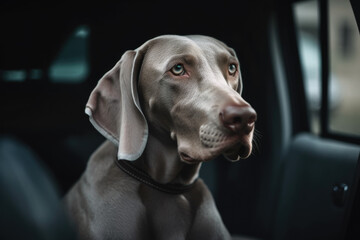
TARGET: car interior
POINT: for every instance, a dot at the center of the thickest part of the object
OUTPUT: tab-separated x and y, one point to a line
300	69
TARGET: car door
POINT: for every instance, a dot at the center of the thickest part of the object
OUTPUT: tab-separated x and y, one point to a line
318	165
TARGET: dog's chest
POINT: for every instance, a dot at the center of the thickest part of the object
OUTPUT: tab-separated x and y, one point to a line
179	217
168	216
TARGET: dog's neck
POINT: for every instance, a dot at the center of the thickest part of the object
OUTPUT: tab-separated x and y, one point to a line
162	161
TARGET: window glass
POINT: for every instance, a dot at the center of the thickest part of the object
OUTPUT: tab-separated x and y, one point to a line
344	75
344	44
71	64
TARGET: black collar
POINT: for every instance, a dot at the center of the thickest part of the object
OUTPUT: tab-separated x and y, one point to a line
145	178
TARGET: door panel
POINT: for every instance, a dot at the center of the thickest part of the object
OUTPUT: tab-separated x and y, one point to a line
308	207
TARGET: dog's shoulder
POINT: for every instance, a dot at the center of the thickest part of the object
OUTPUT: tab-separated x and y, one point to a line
103	173
103	156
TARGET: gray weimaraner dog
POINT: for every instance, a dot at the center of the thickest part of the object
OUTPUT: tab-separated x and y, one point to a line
165	108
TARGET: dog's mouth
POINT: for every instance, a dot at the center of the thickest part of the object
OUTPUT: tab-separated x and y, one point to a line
233	145
215	141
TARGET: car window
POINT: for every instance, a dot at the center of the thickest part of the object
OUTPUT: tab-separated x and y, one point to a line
344	43
344	53
70	65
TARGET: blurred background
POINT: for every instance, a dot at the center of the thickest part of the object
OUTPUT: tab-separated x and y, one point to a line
344	51
301	180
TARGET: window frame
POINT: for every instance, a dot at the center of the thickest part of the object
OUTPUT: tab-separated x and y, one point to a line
290	53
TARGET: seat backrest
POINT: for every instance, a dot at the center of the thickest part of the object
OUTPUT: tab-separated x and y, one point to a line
29	204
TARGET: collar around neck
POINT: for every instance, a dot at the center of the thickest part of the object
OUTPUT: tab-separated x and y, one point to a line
145	178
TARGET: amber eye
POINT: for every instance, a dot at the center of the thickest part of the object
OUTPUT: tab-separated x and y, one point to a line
178	69
232	69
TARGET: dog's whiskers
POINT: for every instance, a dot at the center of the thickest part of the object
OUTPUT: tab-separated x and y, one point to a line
256	142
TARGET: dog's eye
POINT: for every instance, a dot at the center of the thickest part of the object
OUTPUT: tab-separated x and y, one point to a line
178	69
232	69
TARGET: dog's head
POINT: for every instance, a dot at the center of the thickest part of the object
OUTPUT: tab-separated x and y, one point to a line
188	87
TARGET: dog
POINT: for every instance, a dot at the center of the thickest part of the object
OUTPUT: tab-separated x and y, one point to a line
165	108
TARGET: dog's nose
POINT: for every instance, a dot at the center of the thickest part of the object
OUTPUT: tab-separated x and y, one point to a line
238	118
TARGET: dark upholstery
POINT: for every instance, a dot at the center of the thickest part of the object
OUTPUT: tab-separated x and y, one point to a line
29	204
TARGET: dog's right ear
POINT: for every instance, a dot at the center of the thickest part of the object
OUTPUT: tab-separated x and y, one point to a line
114	108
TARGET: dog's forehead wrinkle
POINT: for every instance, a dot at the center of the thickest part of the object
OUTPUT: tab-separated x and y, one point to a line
194	46
175	45
204	53
180	44
211	44
161	56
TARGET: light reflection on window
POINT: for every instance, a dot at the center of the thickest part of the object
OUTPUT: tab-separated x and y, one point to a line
72	65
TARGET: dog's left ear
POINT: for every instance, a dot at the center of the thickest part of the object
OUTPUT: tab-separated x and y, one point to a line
114	108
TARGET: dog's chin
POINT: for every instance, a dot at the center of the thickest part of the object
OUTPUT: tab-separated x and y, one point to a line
188	159
231	155
195	155
233	150
242	151
233	146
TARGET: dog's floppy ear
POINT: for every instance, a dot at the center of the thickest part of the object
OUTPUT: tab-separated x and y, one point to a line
114	108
